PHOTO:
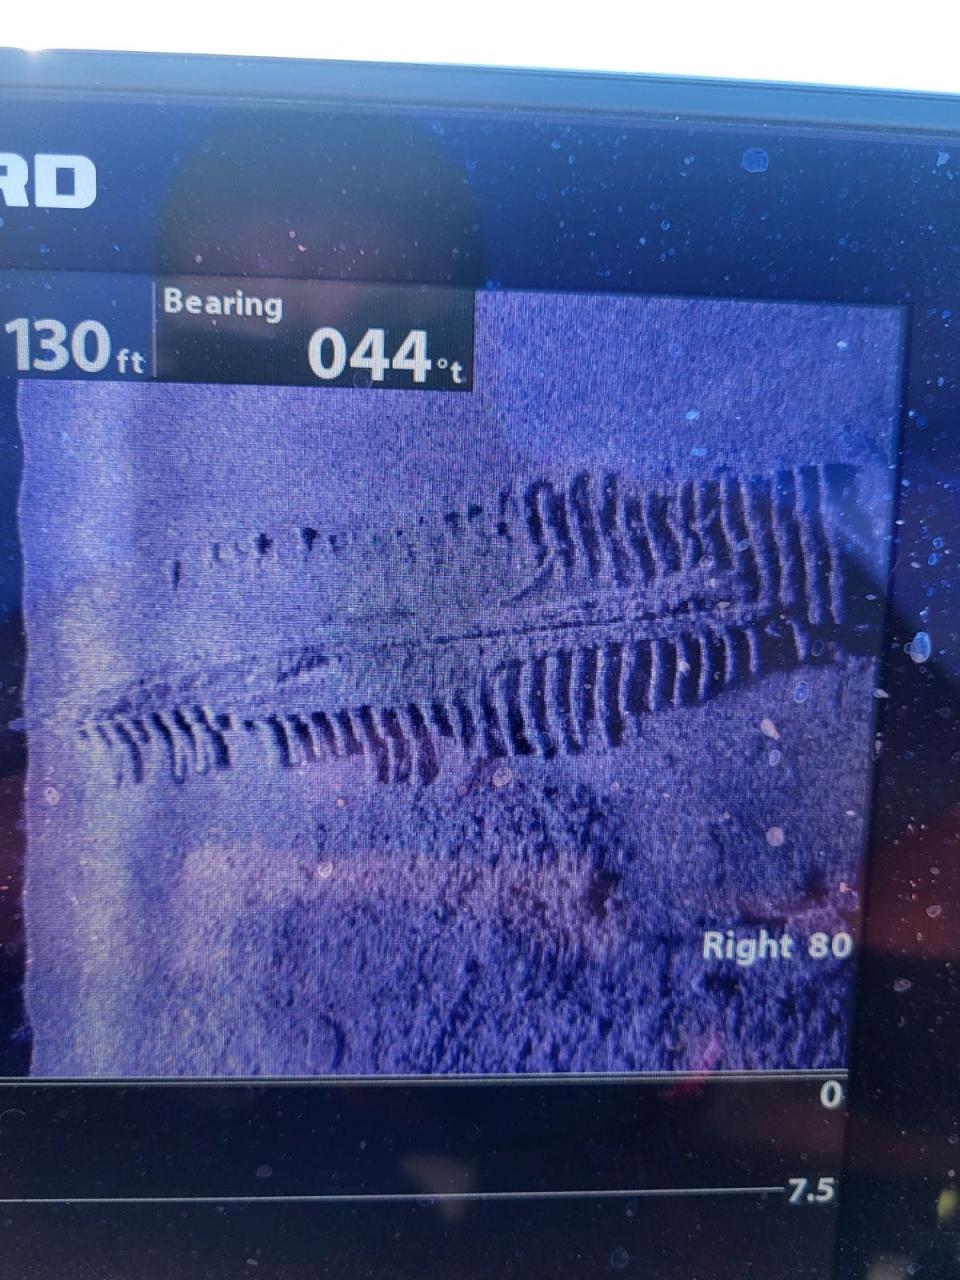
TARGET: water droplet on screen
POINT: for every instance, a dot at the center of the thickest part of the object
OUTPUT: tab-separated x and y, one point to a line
755	160
920	647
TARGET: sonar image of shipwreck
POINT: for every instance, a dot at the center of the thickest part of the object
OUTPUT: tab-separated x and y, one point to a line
391	733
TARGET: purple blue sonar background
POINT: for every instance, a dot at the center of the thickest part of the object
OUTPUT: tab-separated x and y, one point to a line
391	732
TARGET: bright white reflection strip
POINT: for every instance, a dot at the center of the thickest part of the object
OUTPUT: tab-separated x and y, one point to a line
861	42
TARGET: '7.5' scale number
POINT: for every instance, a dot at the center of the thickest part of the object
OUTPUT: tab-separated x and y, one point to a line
811	1190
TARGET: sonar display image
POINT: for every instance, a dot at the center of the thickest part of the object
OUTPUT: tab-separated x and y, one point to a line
525	729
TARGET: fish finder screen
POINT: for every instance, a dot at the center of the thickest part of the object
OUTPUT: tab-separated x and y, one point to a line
499	698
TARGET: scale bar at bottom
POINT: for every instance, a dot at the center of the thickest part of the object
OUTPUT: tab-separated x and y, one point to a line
403	1197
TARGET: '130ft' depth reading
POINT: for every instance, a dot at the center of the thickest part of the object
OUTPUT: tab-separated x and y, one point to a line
48	346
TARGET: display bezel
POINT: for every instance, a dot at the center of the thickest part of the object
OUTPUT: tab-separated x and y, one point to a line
902	1104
